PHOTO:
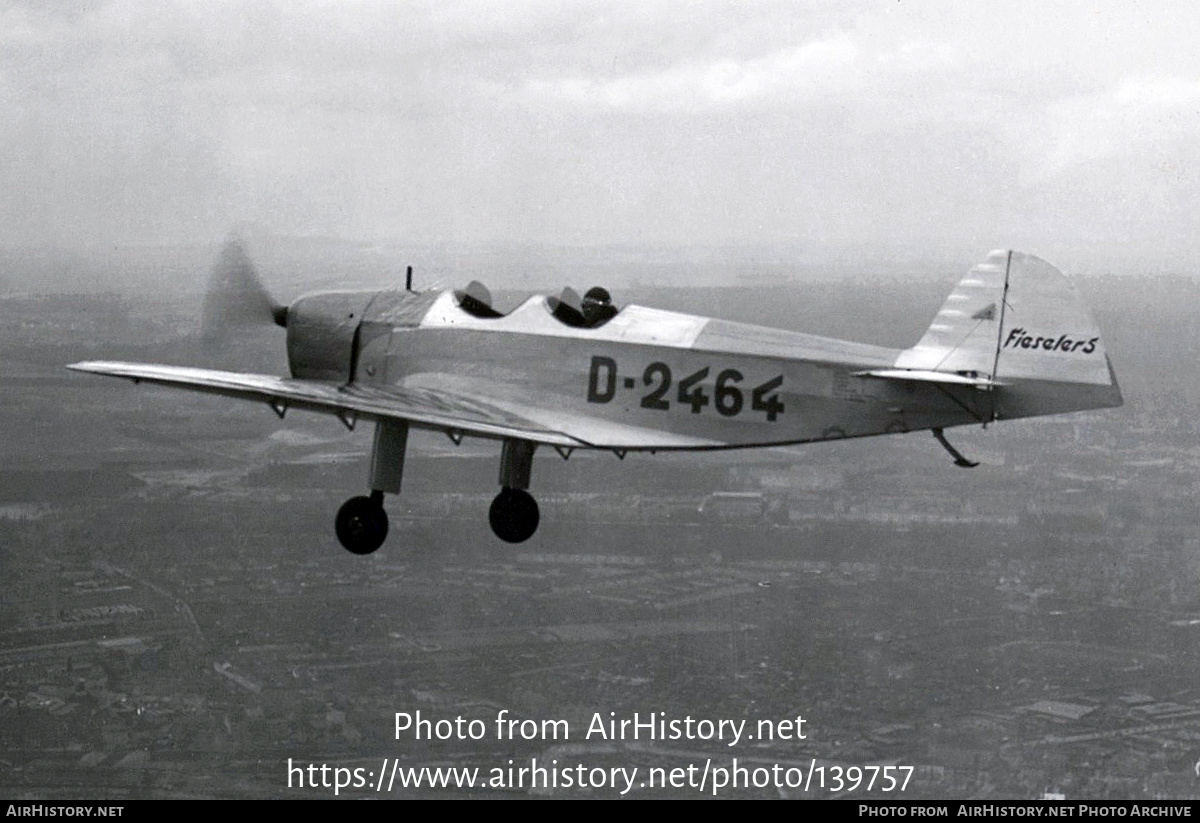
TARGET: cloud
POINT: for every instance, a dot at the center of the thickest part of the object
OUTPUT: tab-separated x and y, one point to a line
542	121
813	70
1133	118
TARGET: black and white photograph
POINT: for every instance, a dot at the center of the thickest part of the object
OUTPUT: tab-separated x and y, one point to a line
600	400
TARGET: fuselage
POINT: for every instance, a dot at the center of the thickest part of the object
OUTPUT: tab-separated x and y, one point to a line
709	382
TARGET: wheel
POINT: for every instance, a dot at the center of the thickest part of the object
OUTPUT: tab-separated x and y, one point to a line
513	515
361	525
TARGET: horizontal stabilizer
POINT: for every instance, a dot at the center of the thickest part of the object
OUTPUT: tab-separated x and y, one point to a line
925	376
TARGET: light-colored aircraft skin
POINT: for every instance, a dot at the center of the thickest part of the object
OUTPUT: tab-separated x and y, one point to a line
1012	340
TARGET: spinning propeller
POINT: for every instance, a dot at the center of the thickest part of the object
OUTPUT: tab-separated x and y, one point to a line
236	297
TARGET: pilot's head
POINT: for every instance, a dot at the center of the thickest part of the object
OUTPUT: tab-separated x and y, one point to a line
597	305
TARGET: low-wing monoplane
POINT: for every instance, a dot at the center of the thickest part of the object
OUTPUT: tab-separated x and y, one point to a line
1012	340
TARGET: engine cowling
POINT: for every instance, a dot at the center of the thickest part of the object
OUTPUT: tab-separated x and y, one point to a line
320	334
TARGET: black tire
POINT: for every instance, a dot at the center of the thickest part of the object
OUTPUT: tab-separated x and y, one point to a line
361	525
514	515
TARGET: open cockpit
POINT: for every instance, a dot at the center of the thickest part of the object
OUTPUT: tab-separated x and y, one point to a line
591	311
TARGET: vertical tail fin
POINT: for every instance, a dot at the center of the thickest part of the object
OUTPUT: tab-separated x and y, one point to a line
963	336
1017	320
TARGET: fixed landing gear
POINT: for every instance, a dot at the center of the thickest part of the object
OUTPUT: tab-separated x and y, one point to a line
362	524
513	515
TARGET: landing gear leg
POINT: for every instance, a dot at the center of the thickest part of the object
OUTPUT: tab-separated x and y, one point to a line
514	513
362	524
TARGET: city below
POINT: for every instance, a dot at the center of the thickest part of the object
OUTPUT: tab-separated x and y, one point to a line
178	619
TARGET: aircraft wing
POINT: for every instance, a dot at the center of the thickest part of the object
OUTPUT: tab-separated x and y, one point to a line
437	407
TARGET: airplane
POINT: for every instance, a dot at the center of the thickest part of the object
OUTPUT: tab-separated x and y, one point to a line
1012	340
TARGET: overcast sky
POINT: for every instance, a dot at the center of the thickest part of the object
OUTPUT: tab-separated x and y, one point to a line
1048	126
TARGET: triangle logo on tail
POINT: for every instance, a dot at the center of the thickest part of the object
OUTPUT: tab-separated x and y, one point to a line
985	314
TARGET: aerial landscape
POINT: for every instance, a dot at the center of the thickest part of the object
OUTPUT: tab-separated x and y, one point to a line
179	620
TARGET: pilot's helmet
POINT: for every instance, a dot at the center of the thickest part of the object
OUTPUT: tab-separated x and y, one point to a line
597	306
597	295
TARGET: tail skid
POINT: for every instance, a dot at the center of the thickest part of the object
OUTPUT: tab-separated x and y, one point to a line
959	460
